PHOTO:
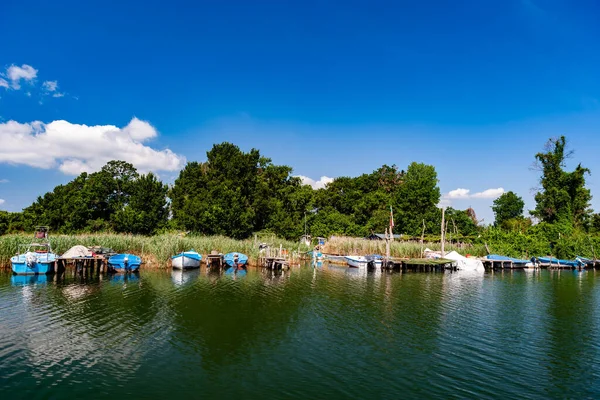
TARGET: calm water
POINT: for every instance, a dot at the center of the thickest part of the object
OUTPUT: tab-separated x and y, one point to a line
325	333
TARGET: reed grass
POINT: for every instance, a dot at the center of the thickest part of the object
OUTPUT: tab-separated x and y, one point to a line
156	251
402	249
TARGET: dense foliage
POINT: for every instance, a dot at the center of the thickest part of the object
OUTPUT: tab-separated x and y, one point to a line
508	207
236	193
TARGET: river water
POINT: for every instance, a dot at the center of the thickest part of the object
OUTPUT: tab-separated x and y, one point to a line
307	333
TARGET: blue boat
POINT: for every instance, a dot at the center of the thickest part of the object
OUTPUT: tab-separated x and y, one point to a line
186	259
235	259
37	257
496	257
124	262
588	262
551	261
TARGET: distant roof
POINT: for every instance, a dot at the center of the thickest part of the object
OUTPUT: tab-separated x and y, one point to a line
381	236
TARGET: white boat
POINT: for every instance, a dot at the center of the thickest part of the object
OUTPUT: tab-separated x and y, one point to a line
186	259
357	261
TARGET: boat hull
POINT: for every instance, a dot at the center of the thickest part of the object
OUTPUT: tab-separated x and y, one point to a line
357	262
33	264
124	262
557	262
186	260
229	259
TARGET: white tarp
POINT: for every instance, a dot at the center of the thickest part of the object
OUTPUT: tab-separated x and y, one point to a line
462	262
77	251
465	263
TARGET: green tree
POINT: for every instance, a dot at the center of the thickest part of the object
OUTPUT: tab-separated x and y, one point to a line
507	206
417	200
236	193
563	196
146	211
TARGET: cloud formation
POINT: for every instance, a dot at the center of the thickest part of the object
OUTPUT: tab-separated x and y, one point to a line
75	148
50	86
16	74
466	194
1	201
320	184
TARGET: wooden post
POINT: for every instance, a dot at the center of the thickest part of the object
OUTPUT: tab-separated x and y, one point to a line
443	231
422	238
387	247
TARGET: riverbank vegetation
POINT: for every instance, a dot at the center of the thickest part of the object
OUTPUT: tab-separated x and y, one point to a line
236	194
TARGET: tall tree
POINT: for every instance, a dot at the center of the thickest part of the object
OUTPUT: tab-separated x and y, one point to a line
236	193
507	206
563	195
417	199
146	211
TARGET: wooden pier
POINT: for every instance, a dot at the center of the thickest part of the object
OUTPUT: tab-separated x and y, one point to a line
420	264
82	265
215	260
274	258
502	264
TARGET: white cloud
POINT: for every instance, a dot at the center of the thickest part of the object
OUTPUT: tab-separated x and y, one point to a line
74	148
4	181
3	83
320	184
462	194
50	86
2	201
24	72
489	194
58	95
458	194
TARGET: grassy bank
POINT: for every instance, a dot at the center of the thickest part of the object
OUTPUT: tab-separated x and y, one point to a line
346	246
157	250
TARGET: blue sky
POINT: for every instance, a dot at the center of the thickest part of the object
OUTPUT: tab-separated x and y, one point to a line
474	88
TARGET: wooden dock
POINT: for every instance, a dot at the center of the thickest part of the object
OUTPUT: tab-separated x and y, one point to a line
274	258
419	264
495	265
82	265
215	260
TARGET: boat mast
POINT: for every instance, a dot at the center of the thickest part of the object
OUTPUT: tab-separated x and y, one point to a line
443	231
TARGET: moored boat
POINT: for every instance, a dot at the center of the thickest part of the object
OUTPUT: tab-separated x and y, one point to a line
124	262
38	257
234	259
374	261
186	259
555	262
518	262
357	261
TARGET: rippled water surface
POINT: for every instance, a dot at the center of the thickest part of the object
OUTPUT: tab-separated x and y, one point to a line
307	333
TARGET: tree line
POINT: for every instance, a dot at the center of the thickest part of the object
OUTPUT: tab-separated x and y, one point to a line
236	194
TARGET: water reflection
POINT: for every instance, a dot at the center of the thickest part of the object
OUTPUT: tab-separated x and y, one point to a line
181	277
124	277
426	335
236	272
22	280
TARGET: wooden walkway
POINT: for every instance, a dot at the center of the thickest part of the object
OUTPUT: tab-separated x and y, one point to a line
96	264
419	264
